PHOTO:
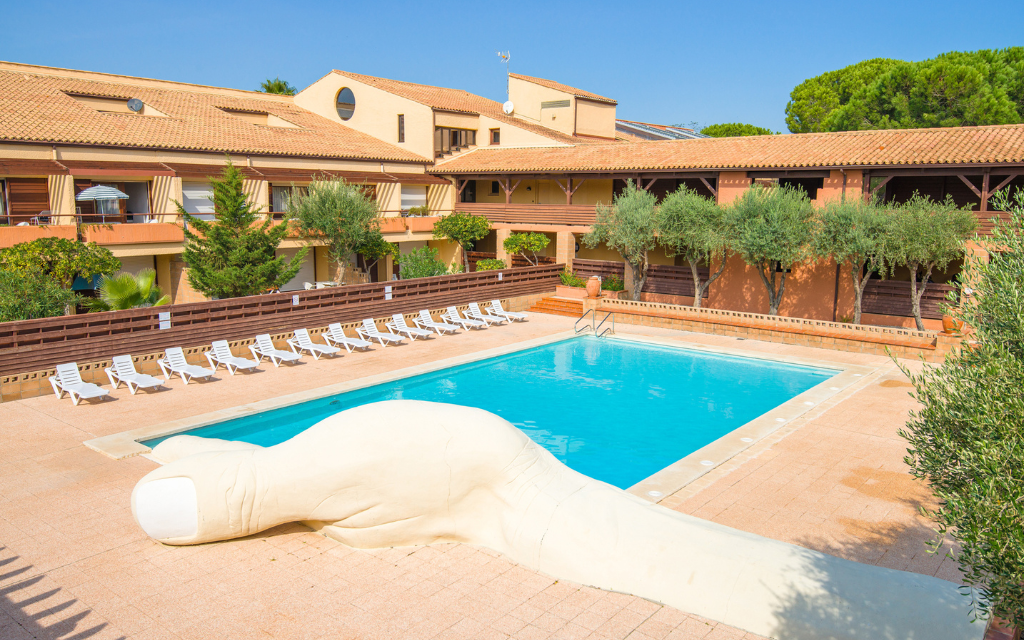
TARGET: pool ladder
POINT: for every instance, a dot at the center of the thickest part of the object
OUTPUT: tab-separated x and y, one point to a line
594	325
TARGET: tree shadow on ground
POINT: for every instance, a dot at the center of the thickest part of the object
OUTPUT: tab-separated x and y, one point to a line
51	619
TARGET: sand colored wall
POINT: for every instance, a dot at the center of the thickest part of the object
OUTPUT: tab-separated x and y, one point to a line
448	252
376	112
165	193
832	189
455	120
389	199
595	118
163	273
547	192
440	198
62	199
511	135
528	97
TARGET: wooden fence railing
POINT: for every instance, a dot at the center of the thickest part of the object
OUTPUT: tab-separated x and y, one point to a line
603	268
672	280
32	345
892	298
518	261
554	214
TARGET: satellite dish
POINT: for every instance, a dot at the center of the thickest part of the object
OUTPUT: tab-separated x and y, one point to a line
508	107
135	105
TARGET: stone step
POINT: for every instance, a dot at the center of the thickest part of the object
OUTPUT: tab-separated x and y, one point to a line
570	307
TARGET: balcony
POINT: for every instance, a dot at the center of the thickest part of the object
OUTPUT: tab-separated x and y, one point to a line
150	232
396	224
10	236
582	215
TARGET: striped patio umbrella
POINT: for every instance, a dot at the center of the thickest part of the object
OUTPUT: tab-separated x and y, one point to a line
101	192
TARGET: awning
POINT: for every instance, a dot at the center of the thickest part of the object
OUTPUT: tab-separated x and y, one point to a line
101	192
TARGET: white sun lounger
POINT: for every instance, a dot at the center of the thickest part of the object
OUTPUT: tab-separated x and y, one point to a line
336	336
399	324
302	342
122	369
221	354
264	348
369	331
475	313
69	380
424	321
174	362
452	315
498	310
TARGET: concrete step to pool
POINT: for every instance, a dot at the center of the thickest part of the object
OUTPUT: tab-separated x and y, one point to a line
559	307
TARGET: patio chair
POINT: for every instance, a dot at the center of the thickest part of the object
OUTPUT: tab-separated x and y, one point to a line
69	380
399	324
424	321
496	309
174	362
452	315
369	331
264	348
335	336
474	312
122	369
302	342
220	354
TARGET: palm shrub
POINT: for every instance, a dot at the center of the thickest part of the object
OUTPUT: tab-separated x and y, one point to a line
967	439
628	226
127	291
853	232
773	228
925	235
235	254
696	228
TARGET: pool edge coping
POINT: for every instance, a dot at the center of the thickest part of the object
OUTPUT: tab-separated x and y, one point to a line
676	476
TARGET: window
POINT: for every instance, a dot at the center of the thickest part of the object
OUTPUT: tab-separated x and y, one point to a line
197	199
494	187
346	103
279	199
401	127
413	196
495	136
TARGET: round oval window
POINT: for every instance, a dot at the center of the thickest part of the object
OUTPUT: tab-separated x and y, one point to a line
346	103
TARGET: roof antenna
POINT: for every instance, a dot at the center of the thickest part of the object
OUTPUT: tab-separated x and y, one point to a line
508	107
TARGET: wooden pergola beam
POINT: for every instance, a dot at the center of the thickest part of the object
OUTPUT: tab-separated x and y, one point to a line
707	184
970	185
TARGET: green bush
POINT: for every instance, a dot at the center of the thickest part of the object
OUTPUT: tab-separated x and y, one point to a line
613	283
30	295
570	279
967	440
418	211
489	264
422	263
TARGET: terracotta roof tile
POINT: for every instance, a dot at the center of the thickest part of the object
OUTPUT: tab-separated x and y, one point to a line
564	88
998	144
39	107
460	101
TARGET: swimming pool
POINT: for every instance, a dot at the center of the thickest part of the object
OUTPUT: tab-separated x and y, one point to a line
615	410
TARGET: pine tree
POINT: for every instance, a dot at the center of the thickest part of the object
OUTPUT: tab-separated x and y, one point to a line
235	254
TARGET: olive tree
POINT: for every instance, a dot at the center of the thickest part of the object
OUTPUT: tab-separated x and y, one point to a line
27	295
464	229
61	259
628	226
925	235
339	212
966	439
522	242
375	248
694	227
854	232
773	229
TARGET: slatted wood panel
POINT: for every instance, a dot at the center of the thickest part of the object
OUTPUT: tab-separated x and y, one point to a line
518	261
28	197
476	256
32	345
892	298
602	268
985	221
556	214
672	280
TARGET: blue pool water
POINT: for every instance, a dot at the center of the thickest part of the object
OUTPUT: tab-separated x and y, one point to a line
614	410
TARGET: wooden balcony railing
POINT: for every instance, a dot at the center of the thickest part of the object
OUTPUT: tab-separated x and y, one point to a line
554	214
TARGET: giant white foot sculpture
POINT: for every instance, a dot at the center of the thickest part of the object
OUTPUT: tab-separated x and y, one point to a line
405	472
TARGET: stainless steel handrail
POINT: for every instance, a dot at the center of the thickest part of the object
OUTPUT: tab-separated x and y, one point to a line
576	326
611	314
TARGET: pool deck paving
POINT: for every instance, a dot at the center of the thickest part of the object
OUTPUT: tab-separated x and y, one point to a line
73	563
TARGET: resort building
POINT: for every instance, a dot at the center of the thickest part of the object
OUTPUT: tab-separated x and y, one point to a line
542	163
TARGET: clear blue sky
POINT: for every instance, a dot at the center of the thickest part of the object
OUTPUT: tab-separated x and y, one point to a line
671	62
